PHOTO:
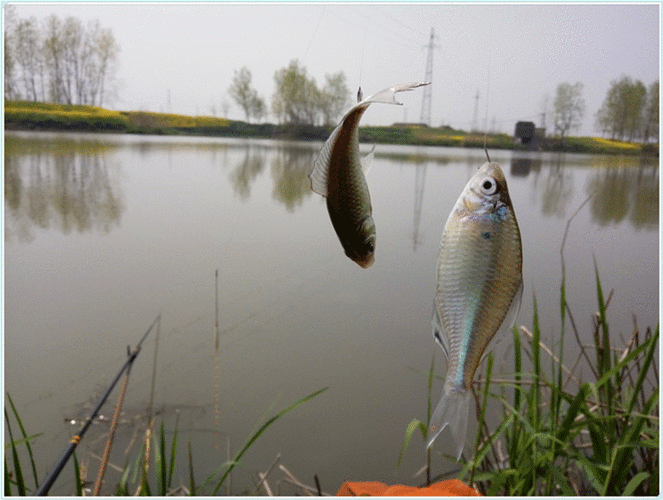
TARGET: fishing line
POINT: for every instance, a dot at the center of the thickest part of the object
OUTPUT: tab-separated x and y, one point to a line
485	120
361	68
314	32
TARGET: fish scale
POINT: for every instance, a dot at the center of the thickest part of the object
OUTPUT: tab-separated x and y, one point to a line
478	292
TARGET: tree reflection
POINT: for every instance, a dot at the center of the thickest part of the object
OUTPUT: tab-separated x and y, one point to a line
246	172
290	169
67	187
629	193
557	191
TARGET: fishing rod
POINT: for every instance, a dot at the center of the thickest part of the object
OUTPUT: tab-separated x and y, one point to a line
73	443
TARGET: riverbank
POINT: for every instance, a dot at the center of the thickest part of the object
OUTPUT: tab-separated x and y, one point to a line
23	115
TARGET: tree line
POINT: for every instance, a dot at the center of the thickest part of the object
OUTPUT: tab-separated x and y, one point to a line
629	112
297	99
59	61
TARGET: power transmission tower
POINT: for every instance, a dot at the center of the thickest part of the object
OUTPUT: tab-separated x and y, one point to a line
426	101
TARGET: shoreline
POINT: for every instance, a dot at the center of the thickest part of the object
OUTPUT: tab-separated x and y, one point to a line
45	117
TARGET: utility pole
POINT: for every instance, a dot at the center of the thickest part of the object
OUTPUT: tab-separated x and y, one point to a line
426	101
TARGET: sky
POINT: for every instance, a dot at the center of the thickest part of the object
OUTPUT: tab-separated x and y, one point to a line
181	57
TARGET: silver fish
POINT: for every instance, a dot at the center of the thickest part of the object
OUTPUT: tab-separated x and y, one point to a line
339	175
479	289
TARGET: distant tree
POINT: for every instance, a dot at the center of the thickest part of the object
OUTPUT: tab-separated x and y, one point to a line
246	97
296	95
106	50
54	57
61	62
568	108
9	75
651	113
299	100
334	97
258	108
622	114
29	58
637	98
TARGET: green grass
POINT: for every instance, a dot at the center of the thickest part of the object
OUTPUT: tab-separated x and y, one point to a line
149	472
16	477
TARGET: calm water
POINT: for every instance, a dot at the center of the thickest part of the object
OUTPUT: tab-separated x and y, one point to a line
104	232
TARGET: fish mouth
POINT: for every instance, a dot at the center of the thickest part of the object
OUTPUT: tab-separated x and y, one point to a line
366	261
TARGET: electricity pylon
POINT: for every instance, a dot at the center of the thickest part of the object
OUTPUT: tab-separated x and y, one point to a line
426	101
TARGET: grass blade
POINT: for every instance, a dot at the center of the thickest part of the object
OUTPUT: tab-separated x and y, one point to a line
634	483
565	428
8	485
160	462
192	480
259	432
122	485
77	477
173	453
20	482
482	414
645	368
412	426
27	441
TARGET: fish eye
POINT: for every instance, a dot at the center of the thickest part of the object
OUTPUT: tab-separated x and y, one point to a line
488	186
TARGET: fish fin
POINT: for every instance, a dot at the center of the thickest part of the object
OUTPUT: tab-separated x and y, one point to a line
320	170
507	323
388	96
453	410
438	332
367	161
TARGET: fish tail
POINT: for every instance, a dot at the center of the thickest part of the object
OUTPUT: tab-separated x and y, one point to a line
453	409
388	96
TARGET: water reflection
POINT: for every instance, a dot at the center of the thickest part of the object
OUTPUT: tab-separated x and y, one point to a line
247	171
64	181
64	184
625	193
557	191
290	169
419	188
626	188
521	167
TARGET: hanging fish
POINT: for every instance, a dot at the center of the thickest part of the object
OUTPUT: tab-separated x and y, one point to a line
479	288
339	175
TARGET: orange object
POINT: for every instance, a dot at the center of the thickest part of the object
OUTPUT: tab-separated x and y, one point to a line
448	488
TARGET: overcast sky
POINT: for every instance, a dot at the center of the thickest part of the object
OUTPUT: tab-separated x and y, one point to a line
514	55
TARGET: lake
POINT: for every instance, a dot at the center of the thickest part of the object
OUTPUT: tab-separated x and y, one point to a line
105	232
